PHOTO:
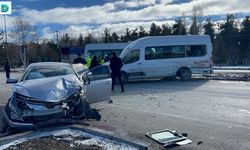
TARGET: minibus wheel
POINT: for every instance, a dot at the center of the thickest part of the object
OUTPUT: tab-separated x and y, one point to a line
185	74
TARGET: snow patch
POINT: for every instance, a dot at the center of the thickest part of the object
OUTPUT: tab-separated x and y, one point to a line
65	133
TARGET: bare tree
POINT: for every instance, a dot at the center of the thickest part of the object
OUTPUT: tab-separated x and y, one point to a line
22	33
196	25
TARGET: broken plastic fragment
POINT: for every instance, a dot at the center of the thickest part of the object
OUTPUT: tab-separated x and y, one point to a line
184	142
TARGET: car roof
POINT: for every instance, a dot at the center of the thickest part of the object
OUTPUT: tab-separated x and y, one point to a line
48	64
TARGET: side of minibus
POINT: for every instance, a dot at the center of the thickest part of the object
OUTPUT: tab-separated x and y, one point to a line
167	56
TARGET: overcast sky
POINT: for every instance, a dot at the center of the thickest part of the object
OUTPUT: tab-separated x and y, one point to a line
93	16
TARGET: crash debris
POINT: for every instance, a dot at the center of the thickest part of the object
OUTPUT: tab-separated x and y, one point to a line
169	138
66	139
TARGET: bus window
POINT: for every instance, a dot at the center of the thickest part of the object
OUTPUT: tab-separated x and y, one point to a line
163	52
178	51
196	50
132	56
149	53
103	52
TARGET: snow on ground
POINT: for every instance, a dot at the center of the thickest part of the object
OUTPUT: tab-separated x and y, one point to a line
68	134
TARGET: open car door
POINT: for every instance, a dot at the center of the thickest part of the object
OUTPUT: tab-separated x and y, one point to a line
99	88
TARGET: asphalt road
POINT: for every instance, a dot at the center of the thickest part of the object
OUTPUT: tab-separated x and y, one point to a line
215	114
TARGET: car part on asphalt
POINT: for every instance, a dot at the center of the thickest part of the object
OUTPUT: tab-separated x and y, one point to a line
169	138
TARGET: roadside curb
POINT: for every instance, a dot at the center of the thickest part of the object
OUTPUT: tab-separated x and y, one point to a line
90	130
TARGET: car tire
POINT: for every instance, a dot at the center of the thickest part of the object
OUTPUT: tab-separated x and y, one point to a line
185	75
3	124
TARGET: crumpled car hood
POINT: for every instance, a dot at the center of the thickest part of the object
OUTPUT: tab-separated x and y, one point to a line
52	89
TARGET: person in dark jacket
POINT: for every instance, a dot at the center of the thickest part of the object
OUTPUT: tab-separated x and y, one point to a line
115	66
94	62
107	58
7	68
79	59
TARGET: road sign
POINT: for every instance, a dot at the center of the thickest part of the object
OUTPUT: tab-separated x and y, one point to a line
5	8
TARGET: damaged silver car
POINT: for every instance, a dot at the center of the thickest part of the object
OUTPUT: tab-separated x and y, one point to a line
49	93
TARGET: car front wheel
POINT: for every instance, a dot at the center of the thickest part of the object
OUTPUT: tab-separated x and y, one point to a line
3	124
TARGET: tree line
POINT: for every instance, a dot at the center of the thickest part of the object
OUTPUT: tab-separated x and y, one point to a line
230	39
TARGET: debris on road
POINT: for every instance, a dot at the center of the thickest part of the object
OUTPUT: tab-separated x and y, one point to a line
169	138
199	143
110	101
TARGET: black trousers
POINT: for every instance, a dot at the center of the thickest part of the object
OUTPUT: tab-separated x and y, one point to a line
118	76
7	74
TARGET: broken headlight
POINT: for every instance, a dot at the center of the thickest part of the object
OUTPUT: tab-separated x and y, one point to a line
20	100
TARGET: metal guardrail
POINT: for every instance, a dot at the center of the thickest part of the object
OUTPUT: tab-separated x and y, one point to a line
231	68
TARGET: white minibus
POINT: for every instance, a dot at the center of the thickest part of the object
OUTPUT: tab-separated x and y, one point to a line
167	56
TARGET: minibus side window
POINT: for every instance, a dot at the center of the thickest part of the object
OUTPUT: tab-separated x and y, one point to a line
196	50
132	56
164	52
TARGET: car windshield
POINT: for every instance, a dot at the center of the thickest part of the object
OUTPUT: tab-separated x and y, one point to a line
44	72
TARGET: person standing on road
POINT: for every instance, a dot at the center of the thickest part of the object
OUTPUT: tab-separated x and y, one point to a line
107	58
115	66
7	68
94	62
79	59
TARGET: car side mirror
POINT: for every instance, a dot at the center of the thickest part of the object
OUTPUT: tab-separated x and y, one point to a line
11	81
85	78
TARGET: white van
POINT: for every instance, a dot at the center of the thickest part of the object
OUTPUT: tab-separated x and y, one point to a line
102	49
167	56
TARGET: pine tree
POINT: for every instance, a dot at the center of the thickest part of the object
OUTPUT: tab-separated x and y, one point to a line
65	40
154	30
114	38
142	32
179	28
194	30
244	41
134	34
229	35
166	29
80	40
127	36
89	39
209	29
107	36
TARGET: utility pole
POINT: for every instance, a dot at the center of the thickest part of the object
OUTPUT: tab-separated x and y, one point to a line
57	43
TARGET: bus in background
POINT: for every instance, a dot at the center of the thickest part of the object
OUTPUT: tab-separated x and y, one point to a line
68	54
167	56
103	49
